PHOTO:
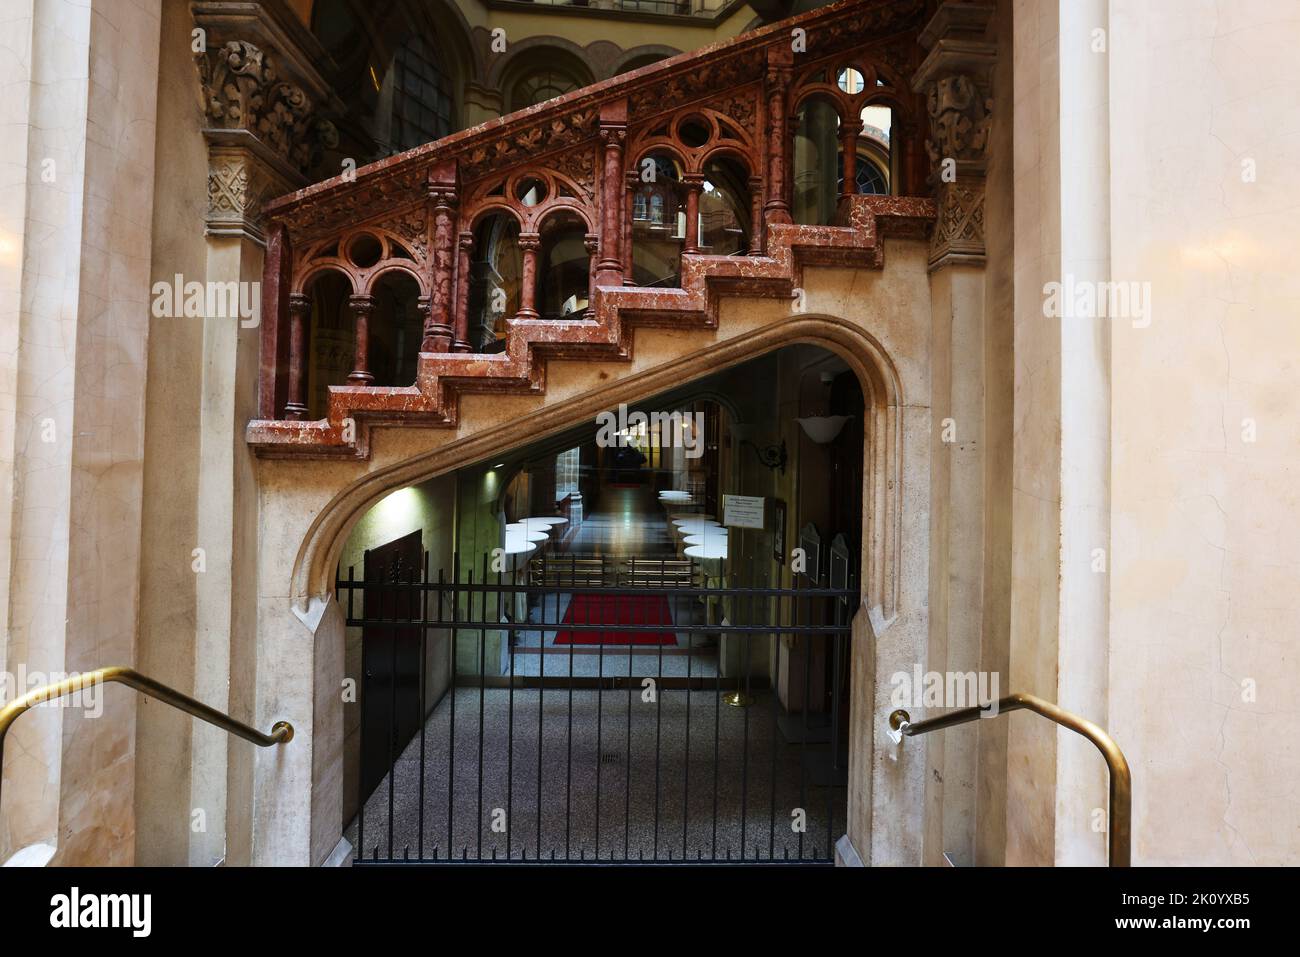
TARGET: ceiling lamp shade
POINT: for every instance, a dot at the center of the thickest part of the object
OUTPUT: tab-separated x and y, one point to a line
823	428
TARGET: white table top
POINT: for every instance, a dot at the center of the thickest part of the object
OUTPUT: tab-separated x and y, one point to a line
517	545
543	521
709	552
708	536
690	524
533	533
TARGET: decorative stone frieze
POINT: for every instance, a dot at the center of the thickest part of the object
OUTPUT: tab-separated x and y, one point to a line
242	91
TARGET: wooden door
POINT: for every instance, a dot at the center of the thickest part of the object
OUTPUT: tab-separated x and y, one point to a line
391	710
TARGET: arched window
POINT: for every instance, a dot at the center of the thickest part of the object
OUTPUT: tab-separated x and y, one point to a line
540	86
421	98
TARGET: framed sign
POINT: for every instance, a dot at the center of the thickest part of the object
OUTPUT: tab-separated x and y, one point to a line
778	532
743	511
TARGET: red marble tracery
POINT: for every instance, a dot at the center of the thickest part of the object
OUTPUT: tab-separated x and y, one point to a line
578	157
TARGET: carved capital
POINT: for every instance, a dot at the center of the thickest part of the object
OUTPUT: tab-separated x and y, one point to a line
960	114
240	89
956	78
239	182
361	304
958	235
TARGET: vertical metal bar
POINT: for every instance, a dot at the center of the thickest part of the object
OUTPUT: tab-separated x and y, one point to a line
659	722
774	666
482	673
392	722
686	761
600	720
568	758
361	727
510	730
423	715
803	745
541	692
746	665
627	777
451	727
717	712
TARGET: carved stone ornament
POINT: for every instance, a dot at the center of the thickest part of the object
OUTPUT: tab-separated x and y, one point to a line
241	90
238	184
959	119
959	230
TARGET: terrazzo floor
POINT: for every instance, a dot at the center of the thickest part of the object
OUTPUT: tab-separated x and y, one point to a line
642	810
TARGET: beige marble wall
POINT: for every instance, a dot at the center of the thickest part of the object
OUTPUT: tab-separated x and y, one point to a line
1206	523
82	328
998	403
1036	457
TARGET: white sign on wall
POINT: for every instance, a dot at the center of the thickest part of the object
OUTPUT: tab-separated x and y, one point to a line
743	511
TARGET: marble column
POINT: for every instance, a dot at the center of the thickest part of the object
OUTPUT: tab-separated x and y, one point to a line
529	243
362	308
609	268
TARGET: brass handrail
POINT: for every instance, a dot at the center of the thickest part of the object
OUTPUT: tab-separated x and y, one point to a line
1121	782
281	731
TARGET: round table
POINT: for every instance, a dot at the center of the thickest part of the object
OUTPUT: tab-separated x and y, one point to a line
542	521
707	536
533	533
688	526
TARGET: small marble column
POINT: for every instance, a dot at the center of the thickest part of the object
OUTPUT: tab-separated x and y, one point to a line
609	269
591	242
438	332
694	184
529	243
755	215
849	133
465	247
299	332
362	307
633	179
776	86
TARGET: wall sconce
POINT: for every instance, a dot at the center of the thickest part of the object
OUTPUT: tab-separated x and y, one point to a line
773	456
823	429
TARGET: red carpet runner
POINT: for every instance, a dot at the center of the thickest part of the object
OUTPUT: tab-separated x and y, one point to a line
615	610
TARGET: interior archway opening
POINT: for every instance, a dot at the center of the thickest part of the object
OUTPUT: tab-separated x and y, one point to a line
673	540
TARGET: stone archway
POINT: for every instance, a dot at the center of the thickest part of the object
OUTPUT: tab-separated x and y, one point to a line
890	630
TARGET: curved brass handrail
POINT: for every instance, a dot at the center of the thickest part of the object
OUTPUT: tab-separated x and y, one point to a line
281	731
1121	782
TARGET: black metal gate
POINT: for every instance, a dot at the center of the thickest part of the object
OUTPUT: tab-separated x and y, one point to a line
578	709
